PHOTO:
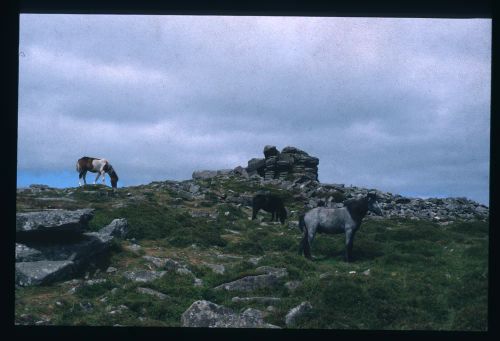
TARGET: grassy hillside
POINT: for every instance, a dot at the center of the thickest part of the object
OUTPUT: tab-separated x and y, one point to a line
406	274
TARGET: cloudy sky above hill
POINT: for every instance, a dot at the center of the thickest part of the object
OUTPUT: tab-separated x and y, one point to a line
401	105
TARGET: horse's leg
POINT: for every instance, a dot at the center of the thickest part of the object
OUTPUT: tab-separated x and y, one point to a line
305	244
349	240
308	243
84	177
97	177
80	175
103	173
254	213
273	213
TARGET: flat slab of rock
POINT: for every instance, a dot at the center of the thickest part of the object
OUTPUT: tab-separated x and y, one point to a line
143	275
250	283
152	292
54	221
210	315
42	272
265	300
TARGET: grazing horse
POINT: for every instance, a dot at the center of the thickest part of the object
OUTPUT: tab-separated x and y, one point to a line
95	165
345	219
269	203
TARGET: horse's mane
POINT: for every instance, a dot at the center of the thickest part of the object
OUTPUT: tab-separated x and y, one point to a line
357	207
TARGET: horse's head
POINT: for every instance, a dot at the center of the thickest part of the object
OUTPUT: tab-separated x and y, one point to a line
113	177
372	204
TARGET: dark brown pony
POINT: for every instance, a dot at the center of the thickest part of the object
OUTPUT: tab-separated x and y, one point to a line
269	203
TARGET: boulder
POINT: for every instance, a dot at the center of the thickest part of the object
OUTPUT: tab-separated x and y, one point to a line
33	225
256	166
296	312
210	315
52	245
117	228
42	272
270	151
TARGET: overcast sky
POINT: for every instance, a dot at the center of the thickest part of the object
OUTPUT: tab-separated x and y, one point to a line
400	105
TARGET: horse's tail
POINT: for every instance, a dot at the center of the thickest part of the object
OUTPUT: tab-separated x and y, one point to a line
304	243
305	247
302	223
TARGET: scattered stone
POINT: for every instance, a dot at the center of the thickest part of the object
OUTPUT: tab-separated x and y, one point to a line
143	275
111	269
152	292
250	283
133	247
95	281
207	314
254	260
293	285
367	272
265	300
158	262
217	268
296	312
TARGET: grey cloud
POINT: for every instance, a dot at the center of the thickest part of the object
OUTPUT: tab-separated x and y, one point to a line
408	97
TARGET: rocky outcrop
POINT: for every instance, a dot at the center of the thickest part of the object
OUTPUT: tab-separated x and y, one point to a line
313	194
52	245
291	164
210	315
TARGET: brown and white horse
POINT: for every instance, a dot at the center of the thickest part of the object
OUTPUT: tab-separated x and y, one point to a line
95	165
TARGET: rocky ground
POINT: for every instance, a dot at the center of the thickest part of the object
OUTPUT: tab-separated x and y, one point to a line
185	253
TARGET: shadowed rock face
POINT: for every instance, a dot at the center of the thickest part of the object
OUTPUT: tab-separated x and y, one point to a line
51	245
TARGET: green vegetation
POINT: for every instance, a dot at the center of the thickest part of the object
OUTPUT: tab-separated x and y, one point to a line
406	275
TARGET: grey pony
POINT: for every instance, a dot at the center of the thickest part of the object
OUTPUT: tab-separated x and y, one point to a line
346	220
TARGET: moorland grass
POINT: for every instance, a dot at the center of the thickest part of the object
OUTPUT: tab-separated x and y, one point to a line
405	274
